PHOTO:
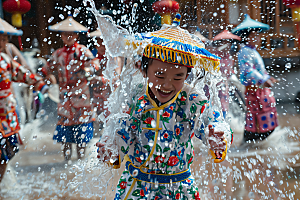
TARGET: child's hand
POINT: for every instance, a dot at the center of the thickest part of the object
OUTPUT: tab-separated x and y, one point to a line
269	83
216	139
102	150
274	80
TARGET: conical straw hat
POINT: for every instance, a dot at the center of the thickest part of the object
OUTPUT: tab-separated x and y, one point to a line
248	25
226	35
6	28
68	25
175	45
96	33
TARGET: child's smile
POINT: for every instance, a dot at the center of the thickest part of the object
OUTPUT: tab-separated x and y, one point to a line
165	79
164	93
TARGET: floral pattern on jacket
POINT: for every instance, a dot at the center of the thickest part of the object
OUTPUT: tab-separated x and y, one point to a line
12	71
158	139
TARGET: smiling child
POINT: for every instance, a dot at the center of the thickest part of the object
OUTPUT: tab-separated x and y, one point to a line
155	140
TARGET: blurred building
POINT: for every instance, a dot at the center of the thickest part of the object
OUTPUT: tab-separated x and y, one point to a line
279	46
47	12
210	16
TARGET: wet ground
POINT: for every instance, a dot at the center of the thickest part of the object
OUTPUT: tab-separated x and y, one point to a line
266	170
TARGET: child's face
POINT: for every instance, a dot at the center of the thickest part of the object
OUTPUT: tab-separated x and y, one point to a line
165	79
3	42
253	38
69	38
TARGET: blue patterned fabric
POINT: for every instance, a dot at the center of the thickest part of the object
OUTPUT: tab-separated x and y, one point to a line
74	134
159	178
8	147
252	67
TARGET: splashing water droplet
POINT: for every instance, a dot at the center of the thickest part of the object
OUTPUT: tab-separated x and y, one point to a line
50	19
52	171
153	123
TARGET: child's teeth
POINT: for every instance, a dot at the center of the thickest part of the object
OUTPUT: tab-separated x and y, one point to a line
165	91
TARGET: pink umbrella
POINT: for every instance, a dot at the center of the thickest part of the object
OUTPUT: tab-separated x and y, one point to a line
226	35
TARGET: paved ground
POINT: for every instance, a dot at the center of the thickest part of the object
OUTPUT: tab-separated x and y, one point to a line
268	170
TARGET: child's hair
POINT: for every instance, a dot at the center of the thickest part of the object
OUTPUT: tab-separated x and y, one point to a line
148	61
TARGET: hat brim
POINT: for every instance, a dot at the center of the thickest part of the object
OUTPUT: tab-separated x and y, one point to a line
68	25
6	28
250	25
66	30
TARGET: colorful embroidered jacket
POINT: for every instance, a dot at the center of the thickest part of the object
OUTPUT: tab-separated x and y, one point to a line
13	71
252	67
158	140
68	65
262	115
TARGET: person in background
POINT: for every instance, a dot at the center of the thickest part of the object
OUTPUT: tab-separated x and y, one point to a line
71	66
223	42
11	71
11	50
261	117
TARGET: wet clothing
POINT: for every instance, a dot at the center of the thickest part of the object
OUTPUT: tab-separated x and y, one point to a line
68	65
100	88
261	114
249	136
226	67
156	143
154	140
12	71
83	133
8	147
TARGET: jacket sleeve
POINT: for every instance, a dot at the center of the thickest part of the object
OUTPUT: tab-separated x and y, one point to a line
125	138
17	54
204	115
22	74
252	69
52	65
88	60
